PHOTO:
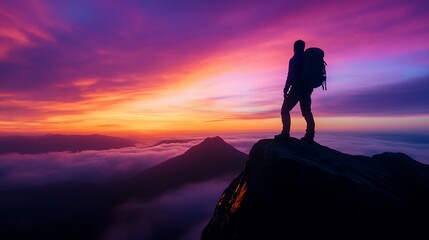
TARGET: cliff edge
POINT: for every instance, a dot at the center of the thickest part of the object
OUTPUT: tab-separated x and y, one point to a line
294	187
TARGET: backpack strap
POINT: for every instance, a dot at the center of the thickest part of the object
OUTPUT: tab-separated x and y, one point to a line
324	84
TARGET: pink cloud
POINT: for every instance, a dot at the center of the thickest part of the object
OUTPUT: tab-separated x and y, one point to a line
408	97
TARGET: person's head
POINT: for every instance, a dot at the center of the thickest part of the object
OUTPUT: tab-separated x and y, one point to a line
299	46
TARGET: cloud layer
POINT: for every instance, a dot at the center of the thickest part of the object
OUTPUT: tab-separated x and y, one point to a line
185	212
17	170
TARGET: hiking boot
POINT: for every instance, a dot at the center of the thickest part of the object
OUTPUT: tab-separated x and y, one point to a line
308	139
282	137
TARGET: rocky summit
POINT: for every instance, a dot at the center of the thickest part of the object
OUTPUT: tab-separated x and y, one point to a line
294	189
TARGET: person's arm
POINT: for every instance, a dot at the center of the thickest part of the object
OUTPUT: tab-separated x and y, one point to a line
290	77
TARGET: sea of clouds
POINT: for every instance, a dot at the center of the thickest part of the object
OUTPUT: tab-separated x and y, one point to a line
181	213
106	165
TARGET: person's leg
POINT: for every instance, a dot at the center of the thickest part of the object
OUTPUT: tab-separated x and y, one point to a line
288	104
305	105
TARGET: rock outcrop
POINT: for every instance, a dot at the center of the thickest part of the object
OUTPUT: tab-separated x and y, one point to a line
304	189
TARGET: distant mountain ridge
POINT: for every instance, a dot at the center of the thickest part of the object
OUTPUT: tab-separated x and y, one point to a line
296	189
60	143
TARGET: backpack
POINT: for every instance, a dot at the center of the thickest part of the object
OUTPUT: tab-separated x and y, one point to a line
314	72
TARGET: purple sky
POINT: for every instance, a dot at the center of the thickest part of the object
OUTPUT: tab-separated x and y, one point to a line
148	66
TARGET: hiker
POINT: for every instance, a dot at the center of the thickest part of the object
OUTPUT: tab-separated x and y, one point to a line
296	91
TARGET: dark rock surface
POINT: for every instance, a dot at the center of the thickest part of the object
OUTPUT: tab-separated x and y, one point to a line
297	189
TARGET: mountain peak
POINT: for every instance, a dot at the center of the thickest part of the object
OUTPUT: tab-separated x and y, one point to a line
291	187
211	144
214	140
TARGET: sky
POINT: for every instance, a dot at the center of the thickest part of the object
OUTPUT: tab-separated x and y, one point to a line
89	66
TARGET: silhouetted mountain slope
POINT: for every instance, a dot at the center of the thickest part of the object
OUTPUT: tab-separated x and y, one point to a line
59	143
210	159
290	188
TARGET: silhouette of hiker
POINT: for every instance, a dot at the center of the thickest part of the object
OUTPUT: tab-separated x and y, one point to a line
295	91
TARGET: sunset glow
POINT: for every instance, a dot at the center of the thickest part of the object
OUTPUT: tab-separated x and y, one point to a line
160	66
